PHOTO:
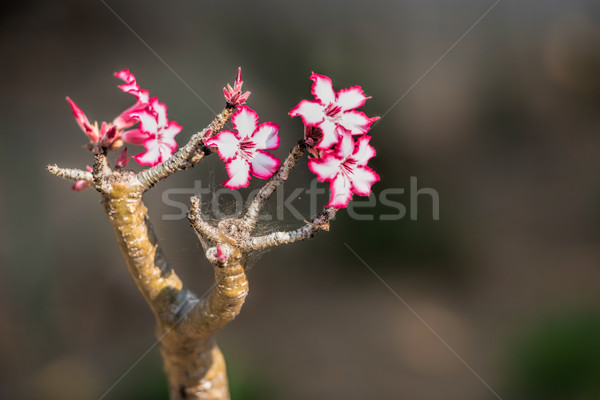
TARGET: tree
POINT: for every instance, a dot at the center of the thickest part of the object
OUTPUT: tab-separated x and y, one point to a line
186	324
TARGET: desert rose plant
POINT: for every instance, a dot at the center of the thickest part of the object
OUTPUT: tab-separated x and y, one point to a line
335	139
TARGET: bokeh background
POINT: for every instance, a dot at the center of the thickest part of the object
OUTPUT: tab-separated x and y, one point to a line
506	129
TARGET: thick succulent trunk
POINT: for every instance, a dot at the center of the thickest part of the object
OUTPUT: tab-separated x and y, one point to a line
195	369
193	362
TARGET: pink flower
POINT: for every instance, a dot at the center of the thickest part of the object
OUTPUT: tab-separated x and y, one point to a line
125	120
333	112
346	169
244	149
107	134
155	132
234	96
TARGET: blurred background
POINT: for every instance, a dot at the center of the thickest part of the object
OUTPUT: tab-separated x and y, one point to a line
505	128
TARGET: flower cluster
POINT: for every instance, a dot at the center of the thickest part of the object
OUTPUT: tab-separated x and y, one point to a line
155	132
244	149
331	121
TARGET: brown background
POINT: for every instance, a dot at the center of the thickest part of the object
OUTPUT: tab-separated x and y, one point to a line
506	128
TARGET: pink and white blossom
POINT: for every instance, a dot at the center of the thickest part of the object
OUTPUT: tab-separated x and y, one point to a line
333	112
244	148
155	132
345	167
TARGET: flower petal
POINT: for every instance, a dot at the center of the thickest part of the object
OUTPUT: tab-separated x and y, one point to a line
265	137
355	121
351	98
326	168
239	173
161	111
152	156
83	122
129	80
143	96
125	120
322	89
167	134
264	165
227	145
363	151
341	192
345	146
330	134
244	121
135	136
166	150
147	120
130	86
311	112
362	180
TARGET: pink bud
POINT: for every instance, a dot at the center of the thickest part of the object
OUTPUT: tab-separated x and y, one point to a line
234	95
208	133
221	257
90	130
238	78
123	159
78	186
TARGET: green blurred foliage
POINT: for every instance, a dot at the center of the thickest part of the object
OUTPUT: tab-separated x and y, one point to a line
558	359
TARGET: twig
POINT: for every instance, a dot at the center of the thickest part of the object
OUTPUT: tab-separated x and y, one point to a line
199	225
249	220
305	232
70	173
187	156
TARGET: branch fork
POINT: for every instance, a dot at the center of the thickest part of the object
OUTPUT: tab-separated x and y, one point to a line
193	362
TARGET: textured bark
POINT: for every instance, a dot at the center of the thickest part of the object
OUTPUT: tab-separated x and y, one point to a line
193	363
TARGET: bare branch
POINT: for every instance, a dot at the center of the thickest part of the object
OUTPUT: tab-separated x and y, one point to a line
187	156
200	226
321	222
265	192
70	173
101	170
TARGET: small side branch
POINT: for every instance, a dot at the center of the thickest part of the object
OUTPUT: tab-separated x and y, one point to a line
265	192
321	222
187	156
70	173
200	226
